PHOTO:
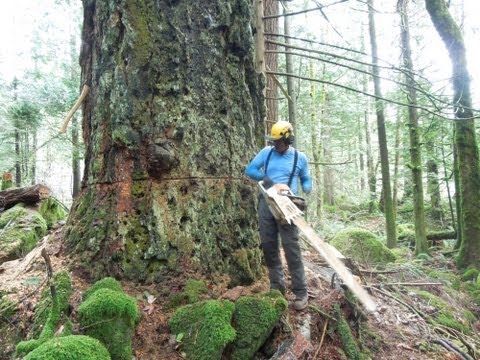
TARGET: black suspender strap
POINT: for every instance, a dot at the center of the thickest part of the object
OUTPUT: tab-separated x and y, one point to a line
295	160
268	160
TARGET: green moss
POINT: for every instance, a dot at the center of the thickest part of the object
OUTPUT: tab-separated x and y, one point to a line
206	328
105	283
445	313
254	319
349	344
248	265
447	277
110	316
18	211
51	211
21	229
6	184
470	274
363	246
423	256
194	289
73	347
57	315
406	233
7	309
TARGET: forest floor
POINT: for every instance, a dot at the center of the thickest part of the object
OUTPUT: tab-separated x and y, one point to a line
401	328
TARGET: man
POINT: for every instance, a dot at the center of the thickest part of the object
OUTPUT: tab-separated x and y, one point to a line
281	165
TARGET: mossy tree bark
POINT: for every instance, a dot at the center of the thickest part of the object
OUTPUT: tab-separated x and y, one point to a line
465	139
382	136
173	116
421	245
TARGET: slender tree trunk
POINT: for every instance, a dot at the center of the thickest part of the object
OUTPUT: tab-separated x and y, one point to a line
465	138
421	245
316	137
174	114
396	163
75	158
458	205
361	156
18	158
271	61
382	136
33	168
290	84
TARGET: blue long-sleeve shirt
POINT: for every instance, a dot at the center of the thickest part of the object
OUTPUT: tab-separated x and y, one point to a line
280	167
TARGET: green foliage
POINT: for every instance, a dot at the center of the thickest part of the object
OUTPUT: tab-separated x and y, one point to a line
446	314
362	246
58	314
51	211
470	274
206	326
73	347
110	316
254	319
7	308
105	283
406	233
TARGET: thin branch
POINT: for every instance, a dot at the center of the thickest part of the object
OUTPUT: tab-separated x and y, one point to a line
426	93
369	95
327	163
285	92
302	11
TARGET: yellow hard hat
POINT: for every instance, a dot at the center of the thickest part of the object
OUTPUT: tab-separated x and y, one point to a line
281	130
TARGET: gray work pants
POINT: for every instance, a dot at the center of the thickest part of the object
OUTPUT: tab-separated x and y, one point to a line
269	230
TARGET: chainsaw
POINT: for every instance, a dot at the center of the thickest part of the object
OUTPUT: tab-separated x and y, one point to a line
279	200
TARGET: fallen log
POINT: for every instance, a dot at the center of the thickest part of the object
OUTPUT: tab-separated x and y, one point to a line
27	195
442	235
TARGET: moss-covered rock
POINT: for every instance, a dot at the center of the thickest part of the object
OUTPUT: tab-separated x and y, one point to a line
192	293
20	229
50	315
362	246
206	328
110	316
73	347
105	283
52	211
254	319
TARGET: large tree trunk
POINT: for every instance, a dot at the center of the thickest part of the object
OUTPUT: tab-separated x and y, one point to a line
465	140
174	114
382	136
421	245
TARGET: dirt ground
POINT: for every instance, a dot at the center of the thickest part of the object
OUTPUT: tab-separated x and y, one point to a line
396	330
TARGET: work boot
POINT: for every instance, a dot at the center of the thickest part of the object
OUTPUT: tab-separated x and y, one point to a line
300	303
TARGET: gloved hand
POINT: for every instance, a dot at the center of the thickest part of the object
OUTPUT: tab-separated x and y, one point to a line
267	182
